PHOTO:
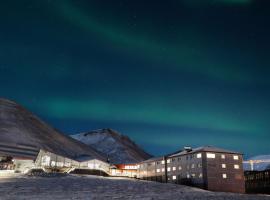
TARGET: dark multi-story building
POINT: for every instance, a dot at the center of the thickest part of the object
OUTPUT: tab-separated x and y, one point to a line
209	168
258	181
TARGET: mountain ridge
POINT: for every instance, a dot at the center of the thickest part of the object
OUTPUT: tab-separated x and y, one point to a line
118	147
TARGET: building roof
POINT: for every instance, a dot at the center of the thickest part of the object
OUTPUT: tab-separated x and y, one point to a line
153	159
203	149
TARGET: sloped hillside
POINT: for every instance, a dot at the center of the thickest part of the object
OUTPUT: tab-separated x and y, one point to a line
21	132
118	148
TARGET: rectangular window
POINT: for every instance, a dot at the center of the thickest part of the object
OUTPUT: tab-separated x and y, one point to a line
168	169
211	155
224	175
174	168
180	168
158	170
168	161
236	167
236	157
223	165
223	156
200	175
163	162
174	177
163	169
199	155
192	166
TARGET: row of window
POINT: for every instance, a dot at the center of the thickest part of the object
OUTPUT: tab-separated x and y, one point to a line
235	166
192	166
212	155
174	177
198	155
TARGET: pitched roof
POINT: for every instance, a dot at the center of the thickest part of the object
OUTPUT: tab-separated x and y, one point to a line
203	149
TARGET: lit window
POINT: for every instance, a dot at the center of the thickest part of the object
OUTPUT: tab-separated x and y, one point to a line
168	161
53	163
223	156
180	168
211	155
200	175
236	157
174	177
224	175
174	168
199	155
188	176
45	161
158	170
223	165
193	175
169	169
236	167
163	162
163	169
59	164
192	166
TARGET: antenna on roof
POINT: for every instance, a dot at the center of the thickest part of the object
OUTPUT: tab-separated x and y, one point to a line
188	149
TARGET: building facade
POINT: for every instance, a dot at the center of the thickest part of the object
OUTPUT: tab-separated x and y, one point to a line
53	162
125	170
205	167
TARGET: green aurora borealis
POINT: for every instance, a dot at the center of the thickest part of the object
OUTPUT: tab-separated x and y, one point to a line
167	74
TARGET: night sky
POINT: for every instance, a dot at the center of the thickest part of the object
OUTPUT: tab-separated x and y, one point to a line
168	73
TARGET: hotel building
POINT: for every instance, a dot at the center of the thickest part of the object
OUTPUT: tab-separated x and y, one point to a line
209	168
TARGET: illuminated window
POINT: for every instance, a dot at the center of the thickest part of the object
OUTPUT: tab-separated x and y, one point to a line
188	176
180	168
163	169
223	165
45	160
53	163
91	165
168	161
174	177
224	175
211	155
236	167
158	170
163	162
236	157
174	168
200	175
59	164
199	155
192	166
223	156
193	175
169	169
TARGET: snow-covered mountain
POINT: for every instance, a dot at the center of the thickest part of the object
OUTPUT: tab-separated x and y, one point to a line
23	134
260	166
118	148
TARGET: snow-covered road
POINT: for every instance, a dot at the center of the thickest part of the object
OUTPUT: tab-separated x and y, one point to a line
92	187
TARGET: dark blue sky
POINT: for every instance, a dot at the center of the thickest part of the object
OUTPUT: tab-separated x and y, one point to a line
167	74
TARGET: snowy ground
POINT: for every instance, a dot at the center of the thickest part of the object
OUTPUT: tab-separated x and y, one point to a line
92	187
